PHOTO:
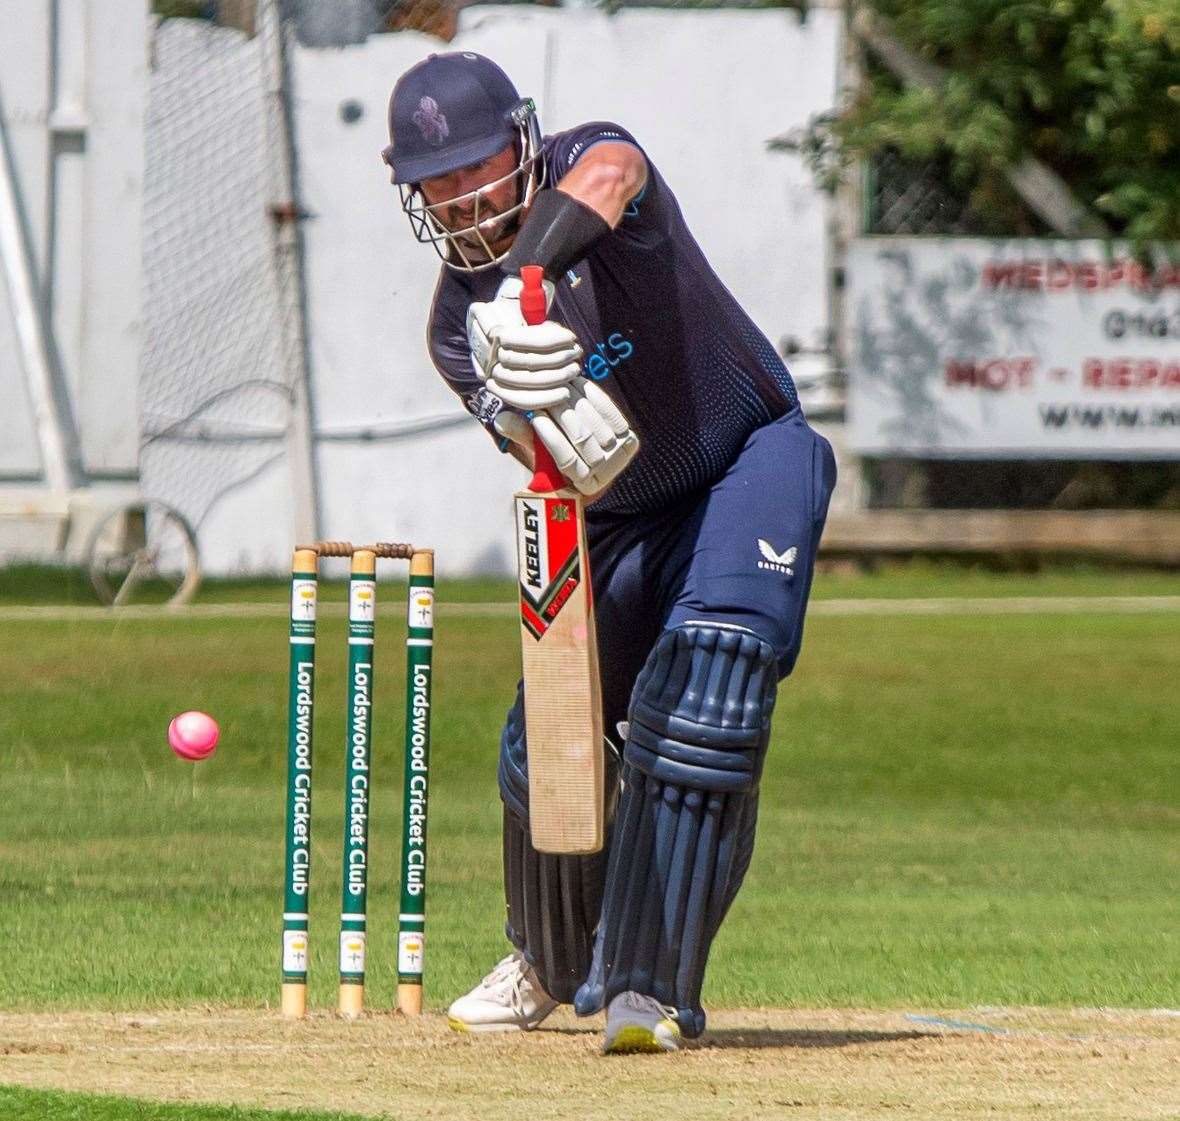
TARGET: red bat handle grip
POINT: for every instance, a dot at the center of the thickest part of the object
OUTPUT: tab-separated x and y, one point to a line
546	476
532	306
532	295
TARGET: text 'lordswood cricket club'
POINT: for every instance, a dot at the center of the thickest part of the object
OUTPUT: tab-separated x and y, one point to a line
358	794
416	828
301	811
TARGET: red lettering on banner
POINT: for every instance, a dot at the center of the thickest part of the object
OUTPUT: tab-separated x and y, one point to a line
999	274
1057	275
1130	373
992	374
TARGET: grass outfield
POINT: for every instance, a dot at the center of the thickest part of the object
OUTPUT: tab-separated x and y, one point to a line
17	1104
956	811
39	584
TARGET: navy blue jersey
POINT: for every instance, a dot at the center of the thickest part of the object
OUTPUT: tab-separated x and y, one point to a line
661	334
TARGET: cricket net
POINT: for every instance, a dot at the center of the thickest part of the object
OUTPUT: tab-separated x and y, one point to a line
221	364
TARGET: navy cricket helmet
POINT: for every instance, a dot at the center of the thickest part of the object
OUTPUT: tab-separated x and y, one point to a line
452	111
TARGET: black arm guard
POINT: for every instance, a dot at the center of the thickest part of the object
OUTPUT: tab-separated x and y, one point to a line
558	232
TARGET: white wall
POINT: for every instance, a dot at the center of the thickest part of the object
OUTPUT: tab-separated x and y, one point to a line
703	91
73	114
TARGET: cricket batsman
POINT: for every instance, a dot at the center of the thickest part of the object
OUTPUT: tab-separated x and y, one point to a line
665	406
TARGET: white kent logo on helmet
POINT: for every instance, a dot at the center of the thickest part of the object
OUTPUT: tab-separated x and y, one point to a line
431	122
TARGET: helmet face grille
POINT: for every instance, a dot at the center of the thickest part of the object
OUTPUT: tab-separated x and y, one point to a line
470	249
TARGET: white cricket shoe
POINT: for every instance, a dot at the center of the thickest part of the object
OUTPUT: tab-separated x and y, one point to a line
635	1022
510	998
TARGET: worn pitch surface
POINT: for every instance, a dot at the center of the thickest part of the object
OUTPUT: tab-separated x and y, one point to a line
755	1063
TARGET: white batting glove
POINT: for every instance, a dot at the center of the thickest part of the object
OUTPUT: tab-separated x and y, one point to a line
589	438
529	367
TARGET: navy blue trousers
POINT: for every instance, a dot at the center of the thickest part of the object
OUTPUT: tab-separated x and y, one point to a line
706	559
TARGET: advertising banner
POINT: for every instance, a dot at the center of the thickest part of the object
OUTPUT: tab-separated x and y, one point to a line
973	348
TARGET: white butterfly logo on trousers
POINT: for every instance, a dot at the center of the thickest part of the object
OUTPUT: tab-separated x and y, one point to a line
775	561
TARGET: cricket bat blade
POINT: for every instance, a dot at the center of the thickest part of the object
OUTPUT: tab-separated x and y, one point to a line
562	693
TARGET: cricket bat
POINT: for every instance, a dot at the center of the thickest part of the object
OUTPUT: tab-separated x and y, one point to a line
559	649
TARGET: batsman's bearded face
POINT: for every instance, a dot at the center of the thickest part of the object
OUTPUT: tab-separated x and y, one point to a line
473	202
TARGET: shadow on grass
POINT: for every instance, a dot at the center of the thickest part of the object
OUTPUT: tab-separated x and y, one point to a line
735	1039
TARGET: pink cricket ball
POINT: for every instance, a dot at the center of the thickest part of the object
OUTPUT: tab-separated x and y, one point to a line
193	735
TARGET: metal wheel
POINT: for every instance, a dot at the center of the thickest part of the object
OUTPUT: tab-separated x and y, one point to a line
144	553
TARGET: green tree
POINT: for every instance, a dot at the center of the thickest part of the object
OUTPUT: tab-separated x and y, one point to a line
1091	88
185	9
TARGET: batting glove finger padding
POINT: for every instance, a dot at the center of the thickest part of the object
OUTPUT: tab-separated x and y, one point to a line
521	381
569	463
529	400
579	430
542	350
606	409
588	437
484	322
512	426
592	420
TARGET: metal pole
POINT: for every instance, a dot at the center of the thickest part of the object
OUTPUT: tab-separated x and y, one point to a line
286	214
56	435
